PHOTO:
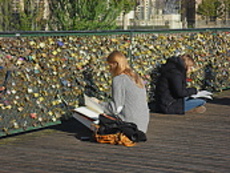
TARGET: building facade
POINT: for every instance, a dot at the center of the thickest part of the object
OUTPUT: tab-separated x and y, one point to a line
172	14
153	14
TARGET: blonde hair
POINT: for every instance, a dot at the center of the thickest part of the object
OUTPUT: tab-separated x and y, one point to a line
123	67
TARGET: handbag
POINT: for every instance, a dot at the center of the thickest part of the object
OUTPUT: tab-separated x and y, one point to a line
112	130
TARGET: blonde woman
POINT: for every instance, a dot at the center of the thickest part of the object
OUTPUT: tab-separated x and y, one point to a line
129	99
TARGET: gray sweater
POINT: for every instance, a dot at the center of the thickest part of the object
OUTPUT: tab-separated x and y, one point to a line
129	102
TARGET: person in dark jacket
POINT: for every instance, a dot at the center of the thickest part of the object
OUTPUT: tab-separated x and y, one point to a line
172	96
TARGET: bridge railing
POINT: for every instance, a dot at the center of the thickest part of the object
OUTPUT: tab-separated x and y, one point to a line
43	72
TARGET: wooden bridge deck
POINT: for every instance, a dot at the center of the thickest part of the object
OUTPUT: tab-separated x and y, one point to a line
190	143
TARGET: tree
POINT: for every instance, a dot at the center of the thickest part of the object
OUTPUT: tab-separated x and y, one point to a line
62	14
31	16
226	9
97	15
25	16
210	9
28	15
5	15
86	14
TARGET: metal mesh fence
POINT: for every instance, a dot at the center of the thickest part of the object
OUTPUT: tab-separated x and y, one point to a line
44	71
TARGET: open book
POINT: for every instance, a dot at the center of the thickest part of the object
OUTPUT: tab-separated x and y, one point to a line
202	94
89	113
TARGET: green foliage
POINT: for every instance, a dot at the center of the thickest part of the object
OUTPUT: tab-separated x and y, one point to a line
32	16
86	14
63	14
227	6
25	18
211	9
95	15
5	15
100	16
128	5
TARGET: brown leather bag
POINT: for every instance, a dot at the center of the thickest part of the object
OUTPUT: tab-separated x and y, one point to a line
107	132
115	139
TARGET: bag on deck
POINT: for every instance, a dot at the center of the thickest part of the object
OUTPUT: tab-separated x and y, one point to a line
113	130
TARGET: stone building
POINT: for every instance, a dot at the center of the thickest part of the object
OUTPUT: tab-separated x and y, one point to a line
152	14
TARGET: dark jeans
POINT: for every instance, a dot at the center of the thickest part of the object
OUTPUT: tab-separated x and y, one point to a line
192	103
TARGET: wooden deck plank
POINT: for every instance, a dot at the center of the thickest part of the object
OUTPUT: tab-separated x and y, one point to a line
176	143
